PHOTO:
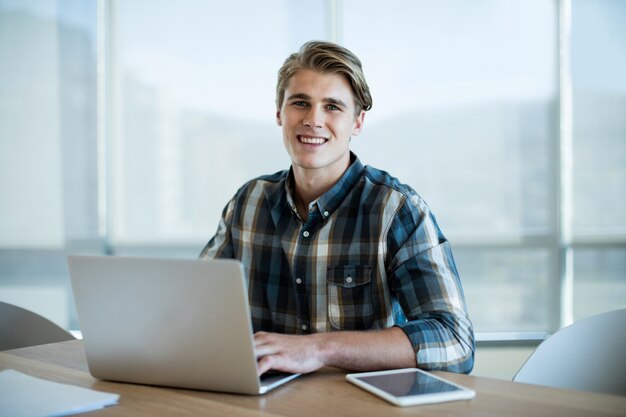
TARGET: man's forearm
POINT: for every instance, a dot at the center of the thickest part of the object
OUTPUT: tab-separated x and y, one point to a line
351	350
367	350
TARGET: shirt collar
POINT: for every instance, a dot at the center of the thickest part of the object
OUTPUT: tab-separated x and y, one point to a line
332	199
328	202
289	182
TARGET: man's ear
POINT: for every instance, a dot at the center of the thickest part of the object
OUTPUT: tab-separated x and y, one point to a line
358	123
279	122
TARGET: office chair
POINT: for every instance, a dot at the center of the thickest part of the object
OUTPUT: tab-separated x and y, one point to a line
20	328
589	355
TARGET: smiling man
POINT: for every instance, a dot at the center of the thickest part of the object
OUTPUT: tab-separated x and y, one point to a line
346	266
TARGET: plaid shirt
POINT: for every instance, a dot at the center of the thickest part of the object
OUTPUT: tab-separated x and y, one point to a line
369	256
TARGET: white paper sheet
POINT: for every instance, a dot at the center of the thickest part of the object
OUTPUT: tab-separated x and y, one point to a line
22	395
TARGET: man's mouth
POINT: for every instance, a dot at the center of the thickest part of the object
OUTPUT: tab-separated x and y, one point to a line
309	140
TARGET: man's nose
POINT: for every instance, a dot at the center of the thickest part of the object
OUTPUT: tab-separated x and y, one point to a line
314	118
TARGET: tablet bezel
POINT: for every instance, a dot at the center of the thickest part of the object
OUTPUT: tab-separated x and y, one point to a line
462	393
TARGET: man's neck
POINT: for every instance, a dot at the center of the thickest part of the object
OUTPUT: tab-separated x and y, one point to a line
309	185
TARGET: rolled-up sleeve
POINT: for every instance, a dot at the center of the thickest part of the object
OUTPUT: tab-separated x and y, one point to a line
424	280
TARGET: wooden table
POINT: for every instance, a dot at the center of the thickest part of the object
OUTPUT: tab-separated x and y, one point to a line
324	393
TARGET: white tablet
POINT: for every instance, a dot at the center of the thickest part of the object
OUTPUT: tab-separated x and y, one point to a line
410	386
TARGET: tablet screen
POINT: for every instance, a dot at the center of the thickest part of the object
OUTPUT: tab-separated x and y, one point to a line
409	383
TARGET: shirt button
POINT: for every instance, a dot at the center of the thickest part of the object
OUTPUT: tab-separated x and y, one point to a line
298	280
305	233
305	327
326	214
348	279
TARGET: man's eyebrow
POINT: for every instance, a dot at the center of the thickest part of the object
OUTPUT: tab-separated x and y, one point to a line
301	96
330	100
335	101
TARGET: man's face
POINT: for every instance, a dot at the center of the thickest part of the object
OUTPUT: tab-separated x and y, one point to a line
318	119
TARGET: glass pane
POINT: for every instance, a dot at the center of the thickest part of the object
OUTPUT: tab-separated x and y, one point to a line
29	180
599	281
195	109
47	123
599	106
507	290
464	107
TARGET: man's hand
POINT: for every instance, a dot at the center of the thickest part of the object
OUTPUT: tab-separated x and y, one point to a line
287	353
352	350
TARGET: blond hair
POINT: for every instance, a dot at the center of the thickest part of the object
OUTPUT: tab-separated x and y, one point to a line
326	57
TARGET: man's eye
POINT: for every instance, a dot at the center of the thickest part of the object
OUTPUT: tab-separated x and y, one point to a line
300	103
332	107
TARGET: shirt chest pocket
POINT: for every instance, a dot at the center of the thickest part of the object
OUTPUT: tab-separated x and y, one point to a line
349	295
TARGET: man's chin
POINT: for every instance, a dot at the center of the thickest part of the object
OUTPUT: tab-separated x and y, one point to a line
309	165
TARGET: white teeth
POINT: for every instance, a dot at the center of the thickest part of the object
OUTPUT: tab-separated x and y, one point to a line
312	141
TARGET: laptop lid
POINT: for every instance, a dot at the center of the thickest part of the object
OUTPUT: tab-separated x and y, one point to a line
171	322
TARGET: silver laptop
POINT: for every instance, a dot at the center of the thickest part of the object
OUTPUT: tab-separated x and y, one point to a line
170	322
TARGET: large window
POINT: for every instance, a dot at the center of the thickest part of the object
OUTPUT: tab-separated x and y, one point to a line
468	109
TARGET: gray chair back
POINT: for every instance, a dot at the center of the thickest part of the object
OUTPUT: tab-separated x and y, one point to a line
21	328
589	355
